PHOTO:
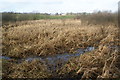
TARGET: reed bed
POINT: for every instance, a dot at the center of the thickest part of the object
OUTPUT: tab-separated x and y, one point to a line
50	37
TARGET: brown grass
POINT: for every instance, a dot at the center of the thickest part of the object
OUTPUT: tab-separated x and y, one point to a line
97	64
49	37
101	63
34	69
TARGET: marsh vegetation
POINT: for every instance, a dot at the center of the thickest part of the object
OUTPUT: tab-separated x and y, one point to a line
46	38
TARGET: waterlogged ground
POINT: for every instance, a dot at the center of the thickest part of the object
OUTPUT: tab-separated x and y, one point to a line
60	48
54	62
90	59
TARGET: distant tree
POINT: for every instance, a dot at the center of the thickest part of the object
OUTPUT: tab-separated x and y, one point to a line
56	14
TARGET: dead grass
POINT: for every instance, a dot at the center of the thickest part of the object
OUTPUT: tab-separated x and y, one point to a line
34	69
93	65
49	37
101	63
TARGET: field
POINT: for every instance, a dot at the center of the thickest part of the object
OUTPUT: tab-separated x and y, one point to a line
13	17
50	37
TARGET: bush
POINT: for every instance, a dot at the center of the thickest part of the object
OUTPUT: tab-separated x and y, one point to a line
102	18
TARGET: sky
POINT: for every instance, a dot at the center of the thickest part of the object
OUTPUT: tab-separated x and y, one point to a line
58	6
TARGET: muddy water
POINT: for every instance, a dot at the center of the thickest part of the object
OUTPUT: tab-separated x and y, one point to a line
5	57
56	61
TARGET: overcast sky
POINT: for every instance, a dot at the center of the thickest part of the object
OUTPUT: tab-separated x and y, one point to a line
60	6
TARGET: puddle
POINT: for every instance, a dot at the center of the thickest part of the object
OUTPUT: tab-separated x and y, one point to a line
4	57
55	61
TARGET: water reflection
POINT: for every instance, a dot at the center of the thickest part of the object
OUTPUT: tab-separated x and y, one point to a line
57	60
